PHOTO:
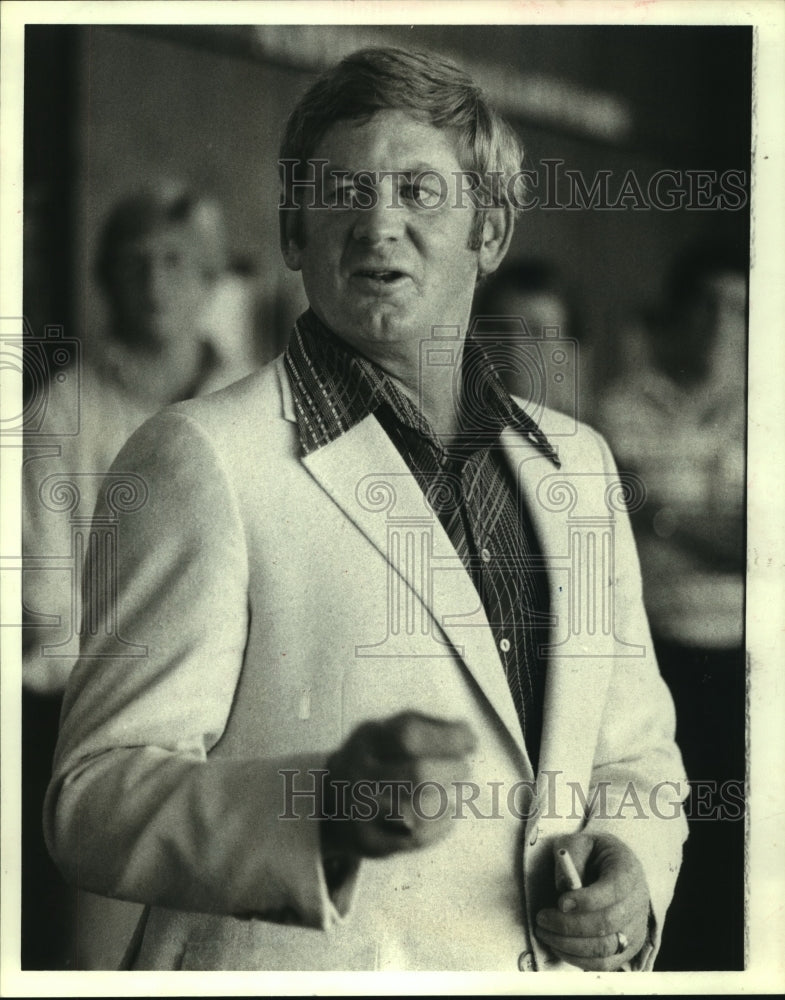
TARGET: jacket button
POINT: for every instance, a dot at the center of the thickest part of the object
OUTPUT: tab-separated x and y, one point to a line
534	835
526	961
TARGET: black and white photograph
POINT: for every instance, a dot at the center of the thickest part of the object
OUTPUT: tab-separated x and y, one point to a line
392	556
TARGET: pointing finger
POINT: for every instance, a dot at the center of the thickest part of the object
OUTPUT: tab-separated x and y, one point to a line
412	734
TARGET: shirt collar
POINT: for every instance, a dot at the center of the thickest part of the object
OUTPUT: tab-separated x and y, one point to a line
335	387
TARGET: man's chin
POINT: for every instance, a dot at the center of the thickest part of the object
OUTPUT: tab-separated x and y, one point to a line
384	328
375	322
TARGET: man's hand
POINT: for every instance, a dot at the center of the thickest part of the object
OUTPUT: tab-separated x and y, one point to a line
375	786
584	930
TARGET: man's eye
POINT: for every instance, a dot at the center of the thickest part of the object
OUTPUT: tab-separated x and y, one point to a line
421	194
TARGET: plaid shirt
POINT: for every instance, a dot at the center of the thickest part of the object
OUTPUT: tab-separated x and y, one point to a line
470	487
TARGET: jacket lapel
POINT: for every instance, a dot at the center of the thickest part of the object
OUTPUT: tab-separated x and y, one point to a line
577	673
363	472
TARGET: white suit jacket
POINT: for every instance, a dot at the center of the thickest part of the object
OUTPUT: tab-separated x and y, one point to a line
267	605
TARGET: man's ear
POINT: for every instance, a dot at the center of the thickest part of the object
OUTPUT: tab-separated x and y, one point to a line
497	228
288	225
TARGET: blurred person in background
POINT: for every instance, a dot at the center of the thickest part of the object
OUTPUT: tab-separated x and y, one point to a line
677	419
177	326
532	291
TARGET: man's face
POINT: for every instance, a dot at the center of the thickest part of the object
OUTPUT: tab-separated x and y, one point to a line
159	286
382	277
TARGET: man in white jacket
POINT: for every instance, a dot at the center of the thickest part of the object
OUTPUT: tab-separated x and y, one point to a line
378	650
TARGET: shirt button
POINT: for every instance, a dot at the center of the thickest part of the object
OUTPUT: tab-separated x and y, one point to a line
504	645
486	556
526	961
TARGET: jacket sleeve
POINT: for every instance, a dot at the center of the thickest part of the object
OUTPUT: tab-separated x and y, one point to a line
638	782
138	806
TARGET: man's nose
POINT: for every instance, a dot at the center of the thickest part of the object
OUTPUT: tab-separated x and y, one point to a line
384	219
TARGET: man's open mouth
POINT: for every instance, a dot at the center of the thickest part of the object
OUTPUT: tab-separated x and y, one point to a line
375	274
